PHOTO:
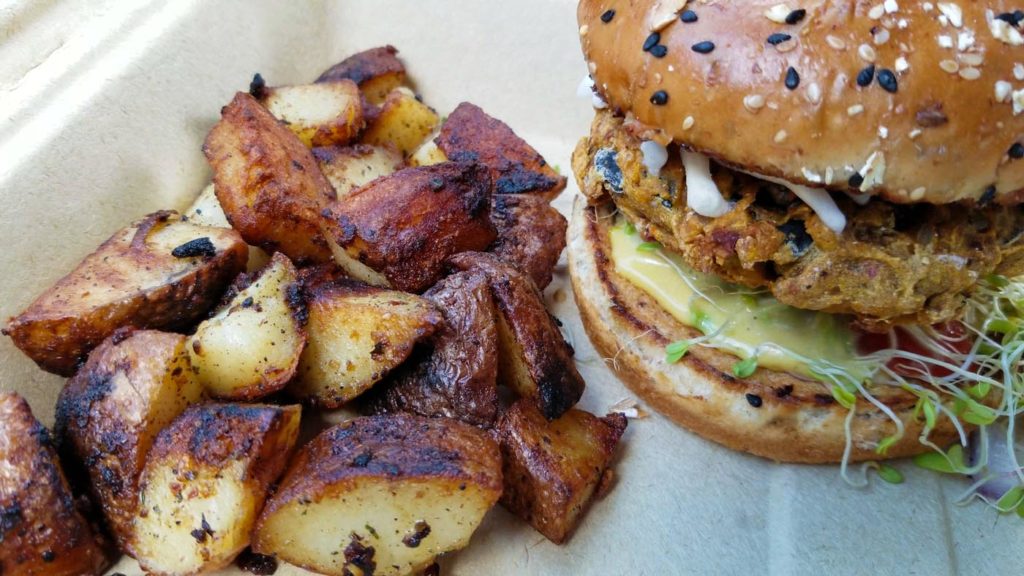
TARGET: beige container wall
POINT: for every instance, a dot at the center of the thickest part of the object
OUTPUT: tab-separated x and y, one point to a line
105	106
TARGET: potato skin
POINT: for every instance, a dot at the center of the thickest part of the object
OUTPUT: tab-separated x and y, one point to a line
470	134
376	71
531	235
109	414
41	531
207	451
553	470
268	182
534	359
455	376
406	225
132	279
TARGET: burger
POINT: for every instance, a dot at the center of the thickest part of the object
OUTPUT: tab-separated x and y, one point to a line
800	230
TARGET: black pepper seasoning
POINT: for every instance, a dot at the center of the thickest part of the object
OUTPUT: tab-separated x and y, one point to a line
1016	151
688	16
866	76
778	38
607	16
792	78
659	98
887	80
856	180
651	41
796	16
705	47
988	196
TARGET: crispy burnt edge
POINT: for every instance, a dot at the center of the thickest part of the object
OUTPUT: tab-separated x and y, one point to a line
365	65
42	526
531	235
67	340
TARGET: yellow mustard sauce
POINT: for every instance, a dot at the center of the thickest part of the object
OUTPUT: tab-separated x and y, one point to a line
756	324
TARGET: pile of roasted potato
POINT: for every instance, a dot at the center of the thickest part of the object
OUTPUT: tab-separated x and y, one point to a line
354	251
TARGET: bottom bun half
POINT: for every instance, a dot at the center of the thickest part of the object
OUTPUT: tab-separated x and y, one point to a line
772	414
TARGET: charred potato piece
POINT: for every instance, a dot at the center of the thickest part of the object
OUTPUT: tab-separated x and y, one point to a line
357	334
133	385
268	182
406	225
531	235
251	347
205	482
516	168
533	358
553	470
349	167
376	71
456	376
320	114
402	121
427	154
41	531
381	495
160	272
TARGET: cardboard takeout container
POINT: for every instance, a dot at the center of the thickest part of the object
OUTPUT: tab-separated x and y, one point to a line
105	105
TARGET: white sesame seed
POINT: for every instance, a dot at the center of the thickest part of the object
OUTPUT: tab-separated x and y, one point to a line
876	12
881	37
951	66
883	132
1002	31
944	20
964	40
688	123
813	93
778	13
753	102
927	7
952	11
1018	71
671	68
945	41
835	42
855	110
1003	90
584	29
866	53
918	193
780	136
902	65
914	133
970	73
592	66
811	175
772	105
1018	101
891	6
971	59
786	46
829	175
902	24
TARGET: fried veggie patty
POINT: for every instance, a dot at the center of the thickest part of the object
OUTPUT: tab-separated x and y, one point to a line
892	264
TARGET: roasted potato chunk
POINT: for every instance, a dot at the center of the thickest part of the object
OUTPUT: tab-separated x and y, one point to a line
531	235
205	482
406	225
553	470
160	272
533	358
268	182
357	334
321	114
469	134
456	375
427	154
349	167
133	385
206	211
251	347
376	71
402	121
381	495
41	531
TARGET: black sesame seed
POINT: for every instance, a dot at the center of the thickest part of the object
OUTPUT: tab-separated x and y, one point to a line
778	38
659	51
792	78
688	16
705	47
796	16
887	80
607	16
651	41
754	400
659	98
1016	151
49	556
866	76
1013	18
988	195
856	180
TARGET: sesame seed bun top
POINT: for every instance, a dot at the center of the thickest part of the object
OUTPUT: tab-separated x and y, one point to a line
911	101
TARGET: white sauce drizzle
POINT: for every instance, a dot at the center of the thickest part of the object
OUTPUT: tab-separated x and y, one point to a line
586	90
818	199
702	194
655	156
